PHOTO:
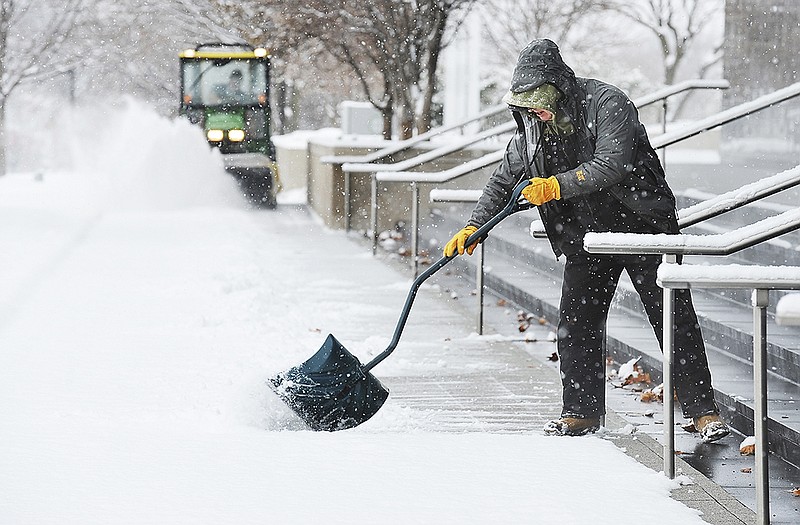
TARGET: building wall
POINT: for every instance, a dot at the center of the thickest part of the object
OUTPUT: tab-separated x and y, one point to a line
762	54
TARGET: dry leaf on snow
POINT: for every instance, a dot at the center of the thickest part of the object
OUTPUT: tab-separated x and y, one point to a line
748	446
652	394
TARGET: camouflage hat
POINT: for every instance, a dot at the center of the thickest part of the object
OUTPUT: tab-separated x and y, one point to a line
542	97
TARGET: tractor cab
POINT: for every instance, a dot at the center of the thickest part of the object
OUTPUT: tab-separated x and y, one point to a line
225	90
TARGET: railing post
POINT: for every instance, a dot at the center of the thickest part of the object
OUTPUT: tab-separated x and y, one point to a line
374	211
664	130
479	286
668	322
347	210
414	229
760	303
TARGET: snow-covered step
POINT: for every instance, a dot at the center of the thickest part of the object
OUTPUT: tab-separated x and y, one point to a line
525	271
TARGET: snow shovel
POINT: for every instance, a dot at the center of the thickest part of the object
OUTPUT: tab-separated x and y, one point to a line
333	390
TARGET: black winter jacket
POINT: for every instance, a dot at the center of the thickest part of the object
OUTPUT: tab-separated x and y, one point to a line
610	176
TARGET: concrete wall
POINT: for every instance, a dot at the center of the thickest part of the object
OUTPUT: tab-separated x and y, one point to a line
325	183
761	56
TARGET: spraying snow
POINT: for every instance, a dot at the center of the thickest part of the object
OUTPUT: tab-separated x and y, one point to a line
140	160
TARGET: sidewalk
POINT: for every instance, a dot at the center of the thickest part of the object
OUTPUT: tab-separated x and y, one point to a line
511	386
136	344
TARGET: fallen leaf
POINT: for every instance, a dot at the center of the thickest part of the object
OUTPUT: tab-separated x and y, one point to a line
639	377
748	446
795	492
747	470
542	321
652	395
628	369
553	357
523	326
501	302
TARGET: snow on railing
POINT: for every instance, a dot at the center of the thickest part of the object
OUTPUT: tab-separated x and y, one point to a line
729	276
737	198
440	195
718	244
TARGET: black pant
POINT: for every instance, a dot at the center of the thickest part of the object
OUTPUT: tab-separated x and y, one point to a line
589	284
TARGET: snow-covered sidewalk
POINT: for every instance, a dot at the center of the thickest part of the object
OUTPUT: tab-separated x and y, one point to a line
134	345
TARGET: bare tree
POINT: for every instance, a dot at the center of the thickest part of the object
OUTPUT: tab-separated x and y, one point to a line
677	24
581	28
511	28
31	35
392	46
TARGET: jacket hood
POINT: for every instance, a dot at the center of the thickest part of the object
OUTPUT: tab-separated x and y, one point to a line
541	63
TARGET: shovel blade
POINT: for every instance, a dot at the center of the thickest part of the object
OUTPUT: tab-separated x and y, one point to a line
330	391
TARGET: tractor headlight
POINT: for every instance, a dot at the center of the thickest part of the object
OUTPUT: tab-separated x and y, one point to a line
236	135
215	135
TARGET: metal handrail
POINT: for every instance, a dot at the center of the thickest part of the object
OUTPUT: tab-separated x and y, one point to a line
734	199
640	102
671	246
413	141
501	108
675	276
729	115
387	173
433	154
686	244
725	202
680	87
479	253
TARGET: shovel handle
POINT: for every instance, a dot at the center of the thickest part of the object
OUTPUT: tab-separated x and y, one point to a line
516	203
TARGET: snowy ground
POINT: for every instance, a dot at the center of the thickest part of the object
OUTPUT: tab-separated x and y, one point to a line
142	307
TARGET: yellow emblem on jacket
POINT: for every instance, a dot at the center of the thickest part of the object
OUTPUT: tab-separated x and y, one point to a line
580	175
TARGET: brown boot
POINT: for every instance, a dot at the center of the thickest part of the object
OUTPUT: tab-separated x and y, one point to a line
572	426
711	427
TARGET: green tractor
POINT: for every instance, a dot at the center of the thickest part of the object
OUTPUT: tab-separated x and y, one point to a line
225	90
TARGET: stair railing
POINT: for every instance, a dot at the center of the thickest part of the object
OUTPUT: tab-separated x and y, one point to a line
390	173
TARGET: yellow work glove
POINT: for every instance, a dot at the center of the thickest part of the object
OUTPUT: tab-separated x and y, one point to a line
458	240
542	190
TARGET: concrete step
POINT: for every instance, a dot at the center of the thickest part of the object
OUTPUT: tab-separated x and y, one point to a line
525	271
725	315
